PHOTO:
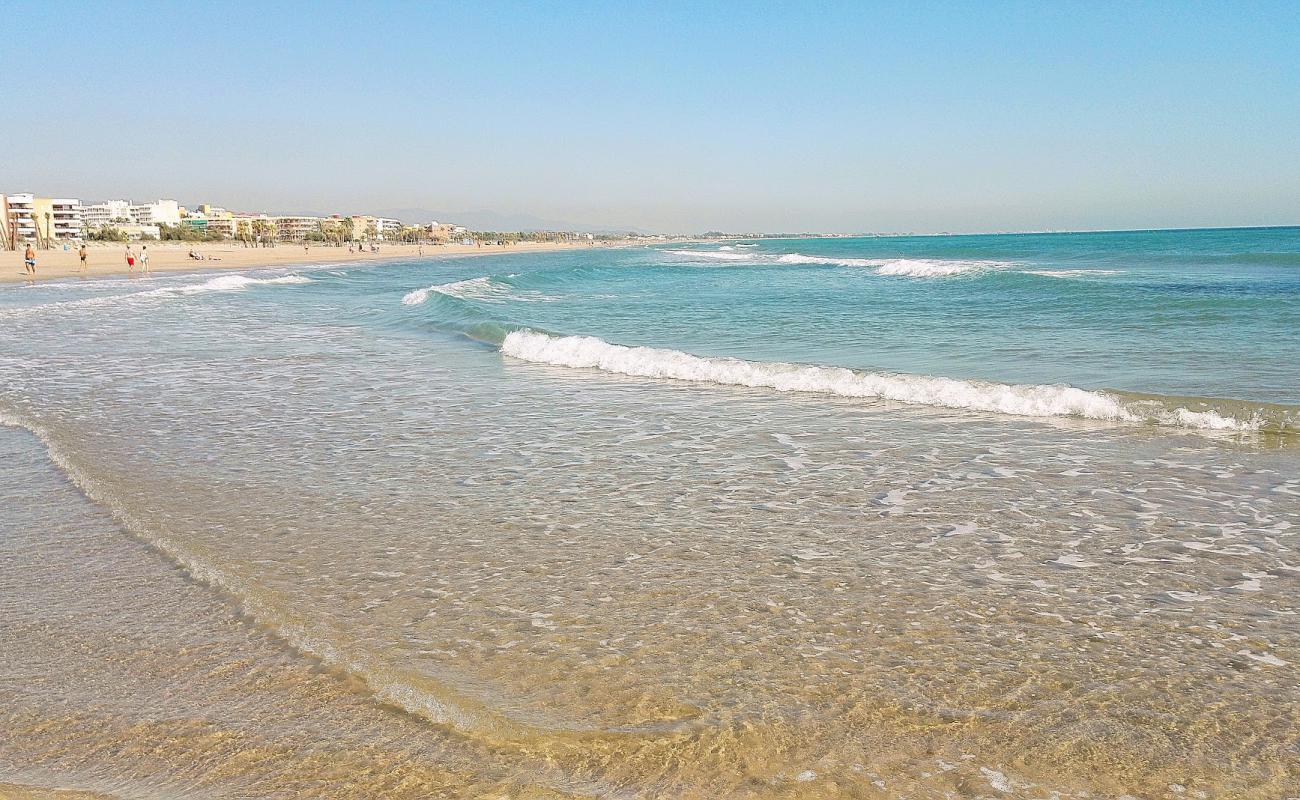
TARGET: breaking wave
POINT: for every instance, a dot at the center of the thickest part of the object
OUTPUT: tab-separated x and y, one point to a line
1024	400
800	258
226	283
900	267
718	254
484	288
221	283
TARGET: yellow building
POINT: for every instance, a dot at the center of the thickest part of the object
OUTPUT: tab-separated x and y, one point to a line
42	220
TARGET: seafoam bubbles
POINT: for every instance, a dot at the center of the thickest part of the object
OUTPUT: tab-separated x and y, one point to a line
717	255
893	267
1074	274
221	283
904	267
484	288
937	268
1024	400
1021	400
227	283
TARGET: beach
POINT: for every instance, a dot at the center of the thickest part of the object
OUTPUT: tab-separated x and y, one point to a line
110	259
773	519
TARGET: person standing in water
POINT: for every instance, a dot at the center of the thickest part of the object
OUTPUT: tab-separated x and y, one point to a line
144	259
29	260
130	260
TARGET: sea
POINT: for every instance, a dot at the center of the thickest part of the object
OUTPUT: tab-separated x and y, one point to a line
995	516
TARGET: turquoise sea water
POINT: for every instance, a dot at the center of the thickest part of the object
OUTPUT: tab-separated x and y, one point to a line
949	517
1176	314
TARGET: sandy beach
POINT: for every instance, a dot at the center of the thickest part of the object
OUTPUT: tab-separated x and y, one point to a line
110	259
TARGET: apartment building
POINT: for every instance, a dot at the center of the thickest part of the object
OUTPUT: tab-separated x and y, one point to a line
227	227
20	224
106	214
364	227
65	218
386	227
28	218
160	212
295	229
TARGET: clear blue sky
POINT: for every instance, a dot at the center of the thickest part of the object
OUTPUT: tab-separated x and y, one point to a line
756	116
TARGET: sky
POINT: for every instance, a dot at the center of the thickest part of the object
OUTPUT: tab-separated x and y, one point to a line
675	117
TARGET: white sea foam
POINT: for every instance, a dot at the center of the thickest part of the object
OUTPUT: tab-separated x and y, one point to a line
895	267
226	283
1026	400
901	267
800	258
935	268
728	256
1022	400
221	283
1073	273
483	289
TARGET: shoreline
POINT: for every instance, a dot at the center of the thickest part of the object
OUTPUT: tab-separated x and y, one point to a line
108	260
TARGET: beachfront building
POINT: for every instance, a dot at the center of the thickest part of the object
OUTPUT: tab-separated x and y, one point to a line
195	220
64	222
20	225
335	229
295	229
224	226
441	232
364	227
161	212
106	214
258	227
386	228
42	220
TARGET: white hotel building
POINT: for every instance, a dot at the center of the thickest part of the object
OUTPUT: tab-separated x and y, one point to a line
99	215
162	212
121	212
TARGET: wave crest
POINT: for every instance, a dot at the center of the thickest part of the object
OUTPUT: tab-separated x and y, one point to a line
715	254
1024	400
483	289
900	267
221	283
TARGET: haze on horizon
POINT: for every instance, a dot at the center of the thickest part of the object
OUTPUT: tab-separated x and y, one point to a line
838	118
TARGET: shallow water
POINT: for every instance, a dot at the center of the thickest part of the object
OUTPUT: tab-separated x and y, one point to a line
297	534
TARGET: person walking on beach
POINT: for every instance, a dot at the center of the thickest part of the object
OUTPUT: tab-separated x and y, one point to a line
130	260
144	258
29	260
81	254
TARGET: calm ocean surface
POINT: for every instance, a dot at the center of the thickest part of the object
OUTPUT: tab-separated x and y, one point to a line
951	517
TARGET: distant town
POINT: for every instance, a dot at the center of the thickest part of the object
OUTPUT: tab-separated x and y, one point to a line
49	222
